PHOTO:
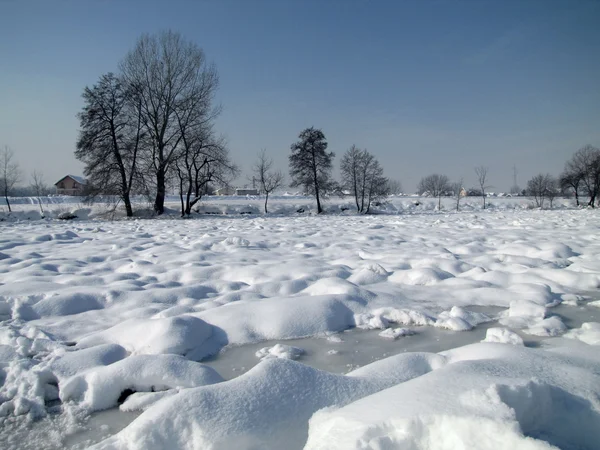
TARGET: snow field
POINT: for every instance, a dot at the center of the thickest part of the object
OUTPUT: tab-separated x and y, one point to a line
95	314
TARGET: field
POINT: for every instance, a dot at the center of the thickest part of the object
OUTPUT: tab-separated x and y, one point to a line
135	318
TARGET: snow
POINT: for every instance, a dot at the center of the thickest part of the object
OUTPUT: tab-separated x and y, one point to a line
502	336
279	351
98	314
100	387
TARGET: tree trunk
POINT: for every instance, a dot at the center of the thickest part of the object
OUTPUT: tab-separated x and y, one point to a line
576	197
128	208
159	202
483	196
440	203
7	202
266	200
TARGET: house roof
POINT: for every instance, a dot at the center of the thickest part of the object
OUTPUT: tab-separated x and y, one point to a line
78	179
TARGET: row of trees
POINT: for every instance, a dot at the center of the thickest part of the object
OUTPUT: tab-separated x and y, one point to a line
580	178
10	175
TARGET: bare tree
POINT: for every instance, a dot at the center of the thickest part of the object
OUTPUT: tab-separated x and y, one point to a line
457	191
363	176
38	187
376	186
583	171
174	82
552	189
110	137
350	167
10	174
540	187
434	185
310	164
268	179
570	182
481	173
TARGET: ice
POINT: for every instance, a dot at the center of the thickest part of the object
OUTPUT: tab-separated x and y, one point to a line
395	333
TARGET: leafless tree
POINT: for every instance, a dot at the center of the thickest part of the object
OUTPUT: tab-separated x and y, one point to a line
481	173
542	186
110	138
376	186
267	178
434	185
457	192
310	164
363	176
582	171
38	187
570	182
350	167
174	83
10	174
552	189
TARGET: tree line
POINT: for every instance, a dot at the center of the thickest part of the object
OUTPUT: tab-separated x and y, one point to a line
150	127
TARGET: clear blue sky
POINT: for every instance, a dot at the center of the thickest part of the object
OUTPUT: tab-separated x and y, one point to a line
428	86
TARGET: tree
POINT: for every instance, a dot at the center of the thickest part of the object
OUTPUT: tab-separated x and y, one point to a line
267	178
376	186
10	173
363	176
539	187
350	167
584	168
481	173
552	189
570	181
310	163
434	185
110	137
457	192
38	187
174	84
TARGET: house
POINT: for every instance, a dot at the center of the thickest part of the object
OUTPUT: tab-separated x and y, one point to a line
225	191
70	185
246	192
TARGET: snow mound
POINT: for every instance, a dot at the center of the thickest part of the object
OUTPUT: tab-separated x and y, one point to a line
588	333
179	335
425	276
279	318
100	388
279	351
278	397
369	274
552	326
67	304
459	319
235	241
504	397
502	336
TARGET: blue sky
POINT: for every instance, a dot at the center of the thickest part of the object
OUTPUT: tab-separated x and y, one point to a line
427	86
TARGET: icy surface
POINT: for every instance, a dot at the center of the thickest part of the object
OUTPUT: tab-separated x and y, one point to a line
152	315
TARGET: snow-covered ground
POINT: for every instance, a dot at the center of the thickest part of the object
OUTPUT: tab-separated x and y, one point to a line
193	328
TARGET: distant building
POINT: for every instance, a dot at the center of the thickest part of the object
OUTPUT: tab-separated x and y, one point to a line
246	192
70	185
225	191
